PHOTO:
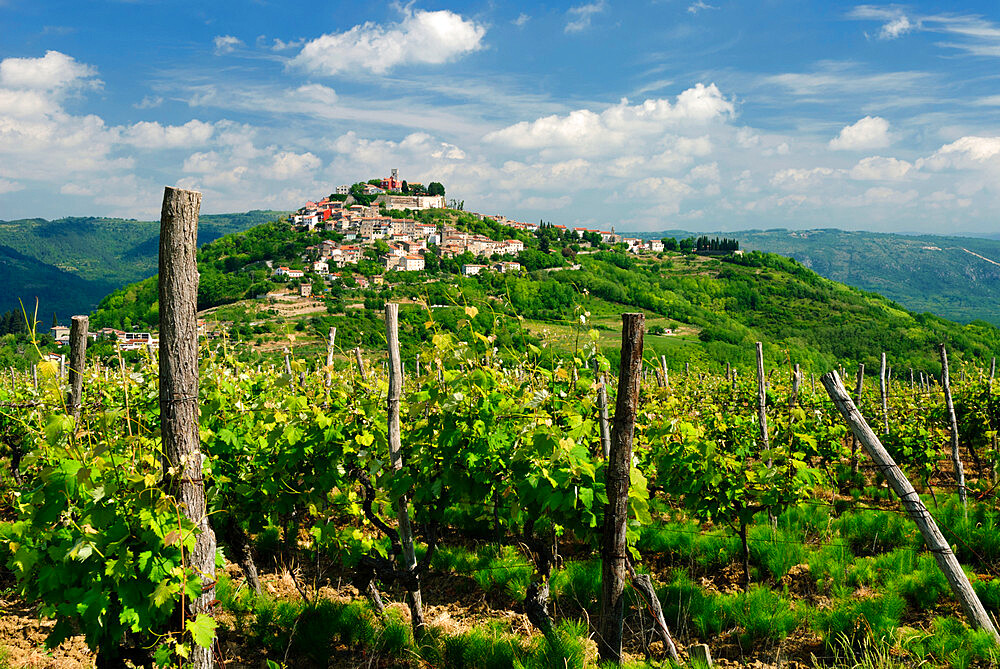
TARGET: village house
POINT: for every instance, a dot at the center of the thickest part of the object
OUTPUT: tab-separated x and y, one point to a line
507	266
471	270
412	263
290	273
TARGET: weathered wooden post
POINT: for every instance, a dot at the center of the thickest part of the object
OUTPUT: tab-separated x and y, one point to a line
331	337
602	409
182	457
859	386
956	456
78	360
915	508
408	559
288	362
793	400
34	376
884	395
361	364
762	403
614	551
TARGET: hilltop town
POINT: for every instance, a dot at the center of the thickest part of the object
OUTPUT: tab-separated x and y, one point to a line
380	211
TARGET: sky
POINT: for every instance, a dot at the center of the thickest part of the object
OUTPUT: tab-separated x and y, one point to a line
706	115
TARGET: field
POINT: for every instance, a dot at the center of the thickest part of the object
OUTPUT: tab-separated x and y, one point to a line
504	478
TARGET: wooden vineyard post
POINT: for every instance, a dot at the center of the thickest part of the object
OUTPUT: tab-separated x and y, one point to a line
288	362
762	402
911	380
857	393
915	508
793	400
330	339
408	558
361	364
78	360
956	456
182	457
883	394
666	374
602	409
614	551
989	405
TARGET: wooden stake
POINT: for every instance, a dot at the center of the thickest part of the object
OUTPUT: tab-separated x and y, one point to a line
614	551
915	508
182	462
361	364
408	560
956	456
883	394
602	409
762	403
331	337
78	360
793	400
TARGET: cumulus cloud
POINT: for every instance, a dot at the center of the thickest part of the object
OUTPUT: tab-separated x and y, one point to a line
877	168
521	20
579	18
871	132
421	37
587	130
226	44
794	178
965	152
290	165
53	72
152	135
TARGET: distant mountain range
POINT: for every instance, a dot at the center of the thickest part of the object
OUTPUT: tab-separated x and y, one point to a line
69	264
954	277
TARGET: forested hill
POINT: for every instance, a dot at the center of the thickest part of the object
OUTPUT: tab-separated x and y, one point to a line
714	307
954	277
69	264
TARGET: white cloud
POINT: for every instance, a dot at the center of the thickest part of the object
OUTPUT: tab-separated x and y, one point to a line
152	135
699	5
149	102
226	44
897	27
422	37
53	72
317	93
794	178
579	18
290	165
871	132
8	186
877	168
521	20
883	195
965	152
585	130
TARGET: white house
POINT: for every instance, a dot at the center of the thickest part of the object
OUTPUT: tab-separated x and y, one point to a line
469	270
412	263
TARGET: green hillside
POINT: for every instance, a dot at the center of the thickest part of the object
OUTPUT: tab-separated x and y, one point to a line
949	276
70	263
715	308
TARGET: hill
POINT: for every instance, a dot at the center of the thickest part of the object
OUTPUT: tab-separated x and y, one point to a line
70	263
954	277
708	311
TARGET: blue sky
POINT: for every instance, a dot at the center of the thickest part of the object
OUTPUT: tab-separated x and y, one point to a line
644	115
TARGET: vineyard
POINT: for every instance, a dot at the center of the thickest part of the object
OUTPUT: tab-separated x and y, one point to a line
502	477
487	503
